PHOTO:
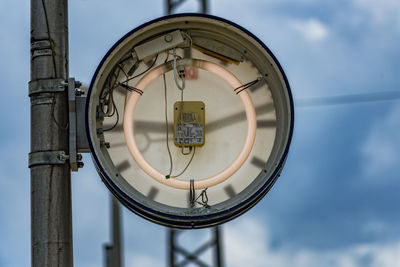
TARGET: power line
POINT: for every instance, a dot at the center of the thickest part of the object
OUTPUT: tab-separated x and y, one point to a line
347	99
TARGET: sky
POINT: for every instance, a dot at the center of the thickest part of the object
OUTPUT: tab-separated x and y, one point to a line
336	203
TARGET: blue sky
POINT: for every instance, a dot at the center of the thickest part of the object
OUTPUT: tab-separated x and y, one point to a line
336	203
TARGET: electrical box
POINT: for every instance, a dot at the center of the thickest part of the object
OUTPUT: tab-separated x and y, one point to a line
189	123
162	43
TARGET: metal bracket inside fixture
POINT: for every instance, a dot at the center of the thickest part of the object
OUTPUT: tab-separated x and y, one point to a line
159	44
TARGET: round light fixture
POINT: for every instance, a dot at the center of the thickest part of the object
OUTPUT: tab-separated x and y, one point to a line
189	119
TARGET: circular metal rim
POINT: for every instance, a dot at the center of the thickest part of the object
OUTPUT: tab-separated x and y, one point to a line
192	221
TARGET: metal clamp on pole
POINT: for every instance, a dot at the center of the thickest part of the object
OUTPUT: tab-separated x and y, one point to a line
55	157
46	86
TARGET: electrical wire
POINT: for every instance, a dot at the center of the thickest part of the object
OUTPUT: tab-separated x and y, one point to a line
119	66
189	37
54	65
181	119
108	95
50	40
131	88
246	85
166	123
54	117
187	165
115	110
180	87
181	106
143	72
204	198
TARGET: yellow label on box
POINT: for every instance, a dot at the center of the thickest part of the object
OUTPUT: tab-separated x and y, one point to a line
189	123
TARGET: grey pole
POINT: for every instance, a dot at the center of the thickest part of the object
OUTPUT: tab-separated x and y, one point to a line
51	220
108	255
171	246
116	232
218	253
204	6
171	5
113	251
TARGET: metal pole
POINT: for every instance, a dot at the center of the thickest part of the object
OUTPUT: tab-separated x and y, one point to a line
113	250
108	255
51	220
204	6
218	260
168	7
116	232
171	246
171	5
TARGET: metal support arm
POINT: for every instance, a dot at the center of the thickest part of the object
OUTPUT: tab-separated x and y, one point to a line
73	93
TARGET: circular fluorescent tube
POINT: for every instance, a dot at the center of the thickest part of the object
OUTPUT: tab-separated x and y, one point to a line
128	125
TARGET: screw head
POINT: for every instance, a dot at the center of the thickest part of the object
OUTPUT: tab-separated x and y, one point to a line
168	38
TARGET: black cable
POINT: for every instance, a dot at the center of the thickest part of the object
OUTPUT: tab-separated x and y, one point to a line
119	66
245	86
126	75
166	123
143	72
114	111
50	40
110	95
126	86
107	93
110	90
204	198
192	194
187	165
131	88
54	117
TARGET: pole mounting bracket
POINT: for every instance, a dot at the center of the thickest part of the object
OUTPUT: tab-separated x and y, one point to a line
77	136
47	86
76	116
52	157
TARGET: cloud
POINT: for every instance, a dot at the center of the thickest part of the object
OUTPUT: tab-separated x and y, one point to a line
382	146
385	11
247	243
139	260
312	29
